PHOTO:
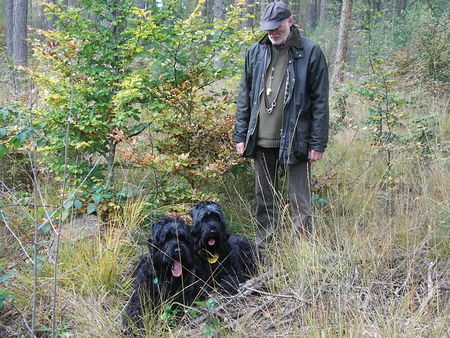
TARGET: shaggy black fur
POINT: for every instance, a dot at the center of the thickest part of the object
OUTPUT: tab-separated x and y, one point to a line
166	273
224	261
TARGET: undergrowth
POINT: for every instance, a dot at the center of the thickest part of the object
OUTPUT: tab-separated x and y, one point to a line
378	265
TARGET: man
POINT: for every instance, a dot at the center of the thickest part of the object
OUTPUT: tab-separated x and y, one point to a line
282	116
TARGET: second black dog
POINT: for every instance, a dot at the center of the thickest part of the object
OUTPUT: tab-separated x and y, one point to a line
225	261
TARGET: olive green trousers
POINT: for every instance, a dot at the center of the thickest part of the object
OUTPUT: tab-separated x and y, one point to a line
269	199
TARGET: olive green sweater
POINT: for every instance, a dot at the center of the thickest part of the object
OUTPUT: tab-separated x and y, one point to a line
269	126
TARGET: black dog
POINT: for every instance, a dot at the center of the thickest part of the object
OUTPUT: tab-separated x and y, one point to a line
166	273
224	261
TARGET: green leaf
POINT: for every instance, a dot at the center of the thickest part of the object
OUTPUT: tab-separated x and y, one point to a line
3	150
97	198
22	136
15	141
3	132
45	227
77	204
137	129
65	215
68	204
211	303
91	208
41	143
4	294
5	277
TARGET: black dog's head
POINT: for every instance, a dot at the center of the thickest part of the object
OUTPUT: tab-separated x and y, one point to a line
171	247
209	228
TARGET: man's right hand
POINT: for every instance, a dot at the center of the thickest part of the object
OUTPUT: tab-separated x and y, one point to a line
240	147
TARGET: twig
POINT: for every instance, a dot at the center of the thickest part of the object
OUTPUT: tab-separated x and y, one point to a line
334	165
124	307
21	205
272	294
251	283
36	234
431	289
24	321
286	321
17	238
290	312
430	277
63	195
445	288
264	305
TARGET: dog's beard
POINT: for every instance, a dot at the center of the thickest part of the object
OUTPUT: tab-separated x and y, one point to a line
212	240
167	260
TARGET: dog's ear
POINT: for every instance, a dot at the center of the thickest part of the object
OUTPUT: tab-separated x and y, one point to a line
150	245
157	230
194	213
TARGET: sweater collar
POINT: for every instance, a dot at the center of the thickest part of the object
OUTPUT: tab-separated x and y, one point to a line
293	39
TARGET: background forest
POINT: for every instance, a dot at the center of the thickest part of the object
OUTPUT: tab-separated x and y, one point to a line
114	113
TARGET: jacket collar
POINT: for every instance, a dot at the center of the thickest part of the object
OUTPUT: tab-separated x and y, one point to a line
296	41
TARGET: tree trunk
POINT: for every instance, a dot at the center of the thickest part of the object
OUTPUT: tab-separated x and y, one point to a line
399	7
207	11
312	14
300	19
218	9
9	10
322	12
43	17
376	5
342	47
110	162
250	7
143	4
20	31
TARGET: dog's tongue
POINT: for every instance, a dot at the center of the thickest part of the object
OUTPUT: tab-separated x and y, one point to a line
211	242
176	269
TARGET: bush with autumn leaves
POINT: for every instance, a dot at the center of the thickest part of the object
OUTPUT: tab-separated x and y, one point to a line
137	88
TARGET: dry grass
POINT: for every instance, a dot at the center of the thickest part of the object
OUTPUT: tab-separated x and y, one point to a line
377	267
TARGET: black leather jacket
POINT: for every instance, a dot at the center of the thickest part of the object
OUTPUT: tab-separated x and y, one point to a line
305	117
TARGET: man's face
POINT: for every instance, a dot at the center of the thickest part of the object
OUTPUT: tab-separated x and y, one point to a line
280	35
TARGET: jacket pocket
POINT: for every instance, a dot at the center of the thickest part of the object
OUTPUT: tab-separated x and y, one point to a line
300	146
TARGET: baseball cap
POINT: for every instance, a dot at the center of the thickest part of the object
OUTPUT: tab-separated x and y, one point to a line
273	14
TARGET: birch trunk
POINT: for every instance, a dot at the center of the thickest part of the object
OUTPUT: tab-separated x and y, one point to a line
342	47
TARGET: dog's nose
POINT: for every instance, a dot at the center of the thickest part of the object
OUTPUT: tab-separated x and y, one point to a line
177	250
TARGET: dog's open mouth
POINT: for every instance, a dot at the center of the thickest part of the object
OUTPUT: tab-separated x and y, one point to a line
211	241
177	269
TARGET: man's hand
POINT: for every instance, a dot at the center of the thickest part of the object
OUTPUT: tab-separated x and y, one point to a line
240	147
314	155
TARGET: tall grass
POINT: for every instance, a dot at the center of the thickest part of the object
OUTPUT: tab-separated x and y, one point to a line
377	266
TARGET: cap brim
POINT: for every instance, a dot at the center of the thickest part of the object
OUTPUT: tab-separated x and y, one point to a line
270	25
